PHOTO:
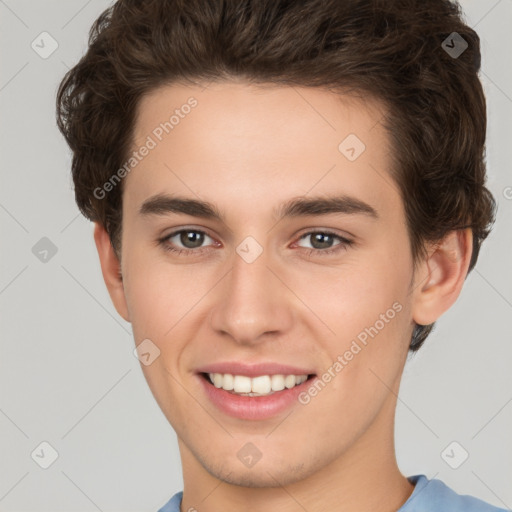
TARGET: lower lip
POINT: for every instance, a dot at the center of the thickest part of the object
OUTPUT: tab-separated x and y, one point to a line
253	407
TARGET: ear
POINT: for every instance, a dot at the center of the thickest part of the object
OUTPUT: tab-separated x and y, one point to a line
439	279
111	270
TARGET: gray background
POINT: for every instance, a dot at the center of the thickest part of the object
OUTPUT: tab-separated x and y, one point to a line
68	375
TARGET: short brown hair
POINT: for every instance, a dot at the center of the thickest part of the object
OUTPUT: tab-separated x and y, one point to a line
390	50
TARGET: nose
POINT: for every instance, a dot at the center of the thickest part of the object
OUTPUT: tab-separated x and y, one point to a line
252	302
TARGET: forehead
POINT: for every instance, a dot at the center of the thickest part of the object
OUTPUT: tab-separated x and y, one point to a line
259	144
264	108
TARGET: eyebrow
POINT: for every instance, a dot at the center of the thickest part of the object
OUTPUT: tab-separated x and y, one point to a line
162	204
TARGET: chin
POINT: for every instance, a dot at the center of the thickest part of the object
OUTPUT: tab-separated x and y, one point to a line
262	475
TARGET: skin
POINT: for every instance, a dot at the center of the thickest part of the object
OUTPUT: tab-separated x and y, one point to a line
248	149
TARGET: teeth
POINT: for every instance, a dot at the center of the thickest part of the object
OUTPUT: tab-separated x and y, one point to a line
289	381
256	386
227	383
277	382
262	385
241	384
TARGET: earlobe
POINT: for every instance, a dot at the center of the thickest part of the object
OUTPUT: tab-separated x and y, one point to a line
440	278
111	270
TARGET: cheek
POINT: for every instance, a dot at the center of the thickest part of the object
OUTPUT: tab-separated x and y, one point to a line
162	298
366	354
365	306
152	293
350	298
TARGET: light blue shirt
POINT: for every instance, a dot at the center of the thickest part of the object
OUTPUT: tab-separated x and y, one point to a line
428	496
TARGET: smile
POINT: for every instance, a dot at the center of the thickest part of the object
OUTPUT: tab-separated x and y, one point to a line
262	385
254	398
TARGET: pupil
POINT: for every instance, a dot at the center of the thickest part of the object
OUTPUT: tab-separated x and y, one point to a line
321	241
191	239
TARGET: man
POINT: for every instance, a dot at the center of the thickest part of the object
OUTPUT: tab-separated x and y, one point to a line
279	220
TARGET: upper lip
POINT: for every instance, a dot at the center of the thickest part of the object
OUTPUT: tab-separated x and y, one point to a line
253	369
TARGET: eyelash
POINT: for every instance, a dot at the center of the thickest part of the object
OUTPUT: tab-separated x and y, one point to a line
343	245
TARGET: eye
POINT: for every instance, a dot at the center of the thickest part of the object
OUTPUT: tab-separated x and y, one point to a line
190	242
184	241
322	242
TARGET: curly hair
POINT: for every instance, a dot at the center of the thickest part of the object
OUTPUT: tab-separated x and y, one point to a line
390	50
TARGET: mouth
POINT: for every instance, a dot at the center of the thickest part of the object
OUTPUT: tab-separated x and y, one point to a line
255	390
257	386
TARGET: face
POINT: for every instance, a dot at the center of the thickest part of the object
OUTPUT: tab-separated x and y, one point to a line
316	289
